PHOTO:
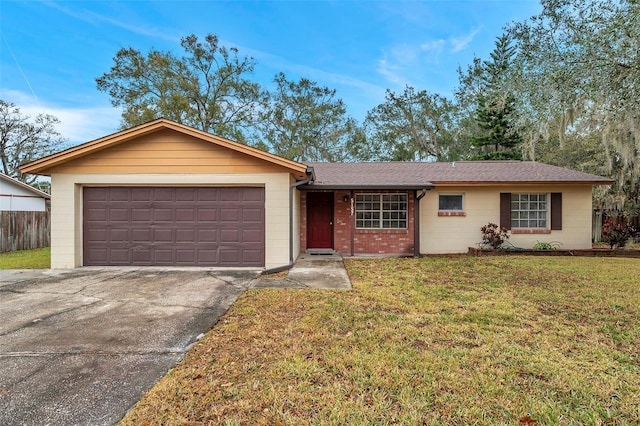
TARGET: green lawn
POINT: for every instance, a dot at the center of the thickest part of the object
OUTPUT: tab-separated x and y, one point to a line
26	259
463	341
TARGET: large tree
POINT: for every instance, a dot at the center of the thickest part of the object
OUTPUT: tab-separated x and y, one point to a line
23	139
414	126
580	62
303	121
208	88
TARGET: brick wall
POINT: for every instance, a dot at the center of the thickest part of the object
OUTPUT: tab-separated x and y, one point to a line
366	241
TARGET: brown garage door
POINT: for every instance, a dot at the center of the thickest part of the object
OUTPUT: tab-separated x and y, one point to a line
173	226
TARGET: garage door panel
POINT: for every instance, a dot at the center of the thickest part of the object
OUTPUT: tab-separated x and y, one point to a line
119	215
252	215
230	256
97	235
118	194
207	194
118	256
186	256
186	194
163	194
229	236
140	214
207	215
174	226
141	255
140	235
119	235
253	194
185	235
163	215
251	255
185	215
207	236
96	214
163	256
140	194
251	236
163	236
230	215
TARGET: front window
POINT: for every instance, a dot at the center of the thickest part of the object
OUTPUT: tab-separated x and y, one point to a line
529	211
381	211
450	202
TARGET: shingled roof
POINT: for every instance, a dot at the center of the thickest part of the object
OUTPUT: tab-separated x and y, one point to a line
415	175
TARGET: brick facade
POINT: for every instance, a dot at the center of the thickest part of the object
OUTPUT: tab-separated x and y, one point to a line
365	241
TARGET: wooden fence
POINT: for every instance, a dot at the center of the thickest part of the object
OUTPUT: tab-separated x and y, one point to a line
24	230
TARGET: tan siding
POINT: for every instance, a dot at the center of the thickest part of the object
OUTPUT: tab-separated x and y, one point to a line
455	234
167	152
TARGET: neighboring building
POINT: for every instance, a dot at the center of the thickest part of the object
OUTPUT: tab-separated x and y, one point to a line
18	196
24	217
166	194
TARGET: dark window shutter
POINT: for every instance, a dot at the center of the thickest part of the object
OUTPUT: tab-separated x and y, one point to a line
556	211
505	210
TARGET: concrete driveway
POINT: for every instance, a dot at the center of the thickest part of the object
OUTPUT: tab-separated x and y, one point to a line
82	346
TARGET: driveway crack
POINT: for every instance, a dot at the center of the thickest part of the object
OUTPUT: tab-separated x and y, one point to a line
40	319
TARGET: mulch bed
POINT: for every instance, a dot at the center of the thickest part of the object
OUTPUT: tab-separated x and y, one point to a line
596	252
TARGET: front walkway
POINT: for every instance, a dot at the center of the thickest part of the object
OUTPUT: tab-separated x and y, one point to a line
317	271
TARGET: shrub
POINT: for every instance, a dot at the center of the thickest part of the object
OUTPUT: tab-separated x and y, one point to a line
493	236
543	245
617	234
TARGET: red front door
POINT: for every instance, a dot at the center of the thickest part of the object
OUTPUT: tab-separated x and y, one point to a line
320	220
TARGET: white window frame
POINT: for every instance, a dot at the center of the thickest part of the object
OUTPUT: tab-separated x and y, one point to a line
528	210
376	216
447	194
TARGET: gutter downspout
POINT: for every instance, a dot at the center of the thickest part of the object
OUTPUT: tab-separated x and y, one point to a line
291	188
416	222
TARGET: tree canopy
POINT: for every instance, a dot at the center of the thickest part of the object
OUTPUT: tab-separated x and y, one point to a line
303	121
579	65
562	87
413	126
207	88
24	139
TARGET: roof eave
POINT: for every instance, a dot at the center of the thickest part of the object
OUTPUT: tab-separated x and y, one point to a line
524	182
366	187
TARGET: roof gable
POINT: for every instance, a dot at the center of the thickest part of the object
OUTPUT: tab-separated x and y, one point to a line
166	143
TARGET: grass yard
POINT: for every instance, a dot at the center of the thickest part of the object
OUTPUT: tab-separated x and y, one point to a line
433	341
26	259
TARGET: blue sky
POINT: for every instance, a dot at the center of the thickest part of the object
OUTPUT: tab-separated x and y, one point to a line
52	51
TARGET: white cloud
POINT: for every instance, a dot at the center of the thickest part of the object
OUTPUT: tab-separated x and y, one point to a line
390	72
461	43
77	124
434	48
95	18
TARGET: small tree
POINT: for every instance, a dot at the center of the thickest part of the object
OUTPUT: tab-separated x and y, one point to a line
500	137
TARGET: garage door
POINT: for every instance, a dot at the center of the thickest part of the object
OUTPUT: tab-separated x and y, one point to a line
153	226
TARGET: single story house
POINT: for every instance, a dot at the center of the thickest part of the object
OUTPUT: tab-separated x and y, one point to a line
16	196
166	194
